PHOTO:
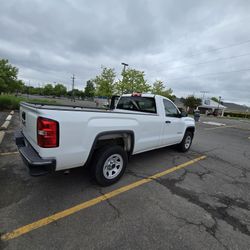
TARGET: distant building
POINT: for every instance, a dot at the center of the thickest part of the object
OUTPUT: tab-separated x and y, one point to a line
210	106
236	108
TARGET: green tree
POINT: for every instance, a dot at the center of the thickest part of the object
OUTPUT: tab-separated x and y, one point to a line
60	90
31	90
39	90
16	86
69	93
78	93
192	102
132	81
89	90
8	77
159	89
48	89
215	99
105	82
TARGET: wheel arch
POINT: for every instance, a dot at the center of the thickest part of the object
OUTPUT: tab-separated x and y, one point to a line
191	129
111	138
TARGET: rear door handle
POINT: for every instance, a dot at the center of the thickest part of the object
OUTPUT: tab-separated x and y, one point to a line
167	121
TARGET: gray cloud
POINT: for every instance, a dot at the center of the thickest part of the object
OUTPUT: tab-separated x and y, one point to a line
169	40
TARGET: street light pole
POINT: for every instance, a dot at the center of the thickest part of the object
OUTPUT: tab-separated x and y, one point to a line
219	105
219	102
124	69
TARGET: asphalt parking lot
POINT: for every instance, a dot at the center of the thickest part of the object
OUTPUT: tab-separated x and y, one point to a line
204	204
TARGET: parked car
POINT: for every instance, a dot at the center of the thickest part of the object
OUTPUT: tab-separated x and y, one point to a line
56	137
214	113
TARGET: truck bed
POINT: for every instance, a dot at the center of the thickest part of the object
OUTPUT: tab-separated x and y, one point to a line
63	107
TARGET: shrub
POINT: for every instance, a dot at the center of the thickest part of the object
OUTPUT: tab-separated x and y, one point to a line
240	115
12	102
9	102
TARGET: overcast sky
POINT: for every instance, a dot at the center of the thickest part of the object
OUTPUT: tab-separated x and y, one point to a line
192	46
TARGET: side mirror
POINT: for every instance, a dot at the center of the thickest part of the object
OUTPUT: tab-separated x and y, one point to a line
183	114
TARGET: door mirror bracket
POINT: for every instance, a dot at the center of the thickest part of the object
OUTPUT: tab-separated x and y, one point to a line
182	114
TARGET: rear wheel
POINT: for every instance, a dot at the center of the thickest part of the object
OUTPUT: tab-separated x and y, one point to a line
109	164
186	142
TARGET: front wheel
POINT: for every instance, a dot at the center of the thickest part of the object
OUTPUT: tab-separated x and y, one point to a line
109	164
186	142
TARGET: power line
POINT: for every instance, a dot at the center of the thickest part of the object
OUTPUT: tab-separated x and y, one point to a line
204	92
218	73
210	61
206	52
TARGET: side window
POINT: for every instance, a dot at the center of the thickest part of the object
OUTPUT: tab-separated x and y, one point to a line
170	109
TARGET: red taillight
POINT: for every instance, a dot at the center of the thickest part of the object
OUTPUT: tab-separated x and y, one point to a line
47	133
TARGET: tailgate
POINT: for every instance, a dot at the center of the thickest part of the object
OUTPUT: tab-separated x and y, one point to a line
28	121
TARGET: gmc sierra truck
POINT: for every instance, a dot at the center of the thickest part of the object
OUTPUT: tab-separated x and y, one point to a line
59	137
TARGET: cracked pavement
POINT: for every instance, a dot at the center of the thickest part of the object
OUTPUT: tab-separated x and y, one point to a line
203	206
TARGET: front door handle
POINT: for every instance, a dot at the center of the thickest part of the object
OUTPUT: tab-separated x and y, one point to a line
167	121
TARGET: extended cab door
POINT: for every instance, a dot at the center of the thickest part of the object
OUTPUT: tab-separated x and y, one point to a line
174	125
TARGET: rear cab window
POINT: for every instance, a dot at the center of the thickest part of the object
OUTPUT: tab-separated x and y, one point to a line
137	103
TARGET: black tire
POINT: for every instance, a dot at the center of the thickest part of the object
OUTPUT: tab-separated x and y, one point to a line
184	146
100	171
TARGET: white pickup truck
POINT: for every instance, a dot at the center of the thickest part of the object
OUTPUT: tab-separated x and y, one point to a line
55	137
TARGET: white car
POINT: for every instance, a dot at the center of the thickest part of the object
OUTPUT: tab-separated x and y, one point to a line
56	137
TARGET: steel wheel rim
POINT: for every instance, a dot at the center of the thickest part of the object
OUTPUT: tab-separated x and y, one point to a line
188	141
113	166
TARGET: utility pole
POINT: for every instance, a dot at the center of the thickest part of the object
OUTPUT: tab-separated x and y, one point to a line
204	92
222	112
73	86
203	97
124	69
28	92
219	102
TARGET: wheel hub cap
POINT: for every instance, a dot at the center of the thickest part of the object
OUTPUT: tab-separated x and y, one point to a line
188	142
113	166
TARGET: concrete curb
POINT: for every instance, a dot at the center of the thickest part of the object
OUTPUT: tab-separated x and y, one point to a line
2	133
9	117
6	124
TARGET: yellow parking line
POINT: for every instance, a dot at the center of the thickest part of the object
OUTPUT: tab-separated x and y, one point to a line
9	153
47	220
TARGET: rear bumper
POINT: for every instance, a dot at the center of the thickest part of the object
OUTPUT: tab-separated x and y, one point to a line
37	165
